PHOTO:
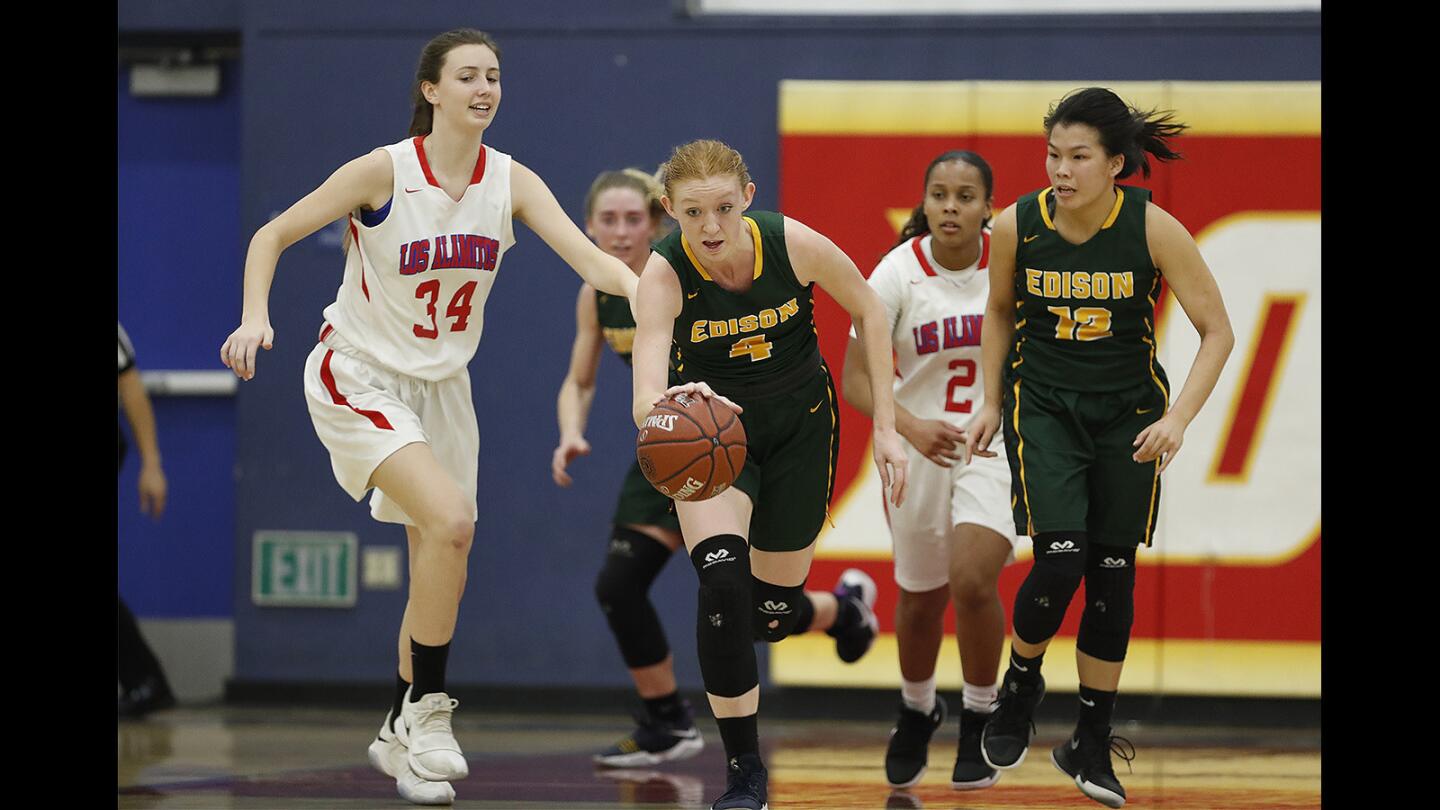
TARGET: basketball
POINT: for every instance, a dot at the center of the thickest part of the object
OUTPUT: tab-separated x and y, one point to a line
691	448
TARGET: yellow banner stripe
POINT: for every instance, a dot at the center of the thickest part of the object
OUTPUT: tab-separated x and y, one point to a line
1019	108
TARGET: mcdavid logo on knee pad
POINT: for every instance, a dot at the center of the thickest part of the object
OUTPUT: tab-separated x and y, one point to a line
775	608
1112	562
1063	546
715	557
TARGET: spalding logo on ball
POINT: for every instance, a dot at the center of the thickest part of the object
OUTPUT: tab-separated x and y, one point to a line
691	448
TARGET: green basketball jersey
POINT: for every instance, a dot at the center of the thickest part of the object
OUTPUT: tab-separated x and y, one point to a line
1086	313
766	333
616	323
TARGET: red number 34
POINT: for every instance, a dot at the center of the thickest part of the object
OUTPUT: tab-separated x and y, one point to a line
459	308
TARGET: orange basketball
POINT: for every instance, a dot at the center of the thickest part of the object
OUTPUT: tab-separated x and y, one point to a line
691	448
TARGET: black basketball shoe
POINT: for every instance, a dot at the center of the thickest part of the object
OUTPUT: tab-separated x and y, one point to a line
909	748
746	783
1006	737
1085	757
971	771
654	741
853	638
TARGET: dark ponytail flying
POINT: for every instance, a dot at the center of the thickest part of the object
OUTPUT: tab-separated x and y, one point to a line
1123	129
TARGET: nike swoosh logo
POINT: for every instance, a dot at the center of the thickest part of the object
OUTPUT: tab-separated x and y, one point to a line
687	734
817	406
1030	239
1146	410
917	281
691	295
1074	743
411	190
1017	666
1089	703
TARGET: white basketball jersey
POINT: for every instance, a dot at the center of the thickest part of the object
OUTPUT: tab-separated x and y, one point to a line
418	271
935	316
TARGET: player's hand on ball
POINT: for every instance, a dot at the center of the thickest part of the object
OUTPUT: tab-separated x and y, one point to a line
892	463
983	428
239	350
570	448
700	389
937	440
1161	440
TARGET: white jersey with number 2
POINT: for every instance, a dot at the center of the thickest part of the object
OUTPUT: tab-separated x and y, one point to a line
935	316
418	271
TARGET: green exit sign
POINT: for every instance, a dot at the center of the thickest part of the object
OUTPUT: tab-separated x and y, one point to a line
304	569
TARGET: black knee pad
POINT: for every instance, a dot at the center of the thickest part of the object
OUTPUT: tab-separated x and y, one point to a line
631	565
1045	594
723	640
1109	603
786	606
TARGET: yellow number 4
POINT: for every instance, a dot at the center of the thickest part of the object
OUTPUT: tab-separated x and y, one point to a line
1089	323
755	346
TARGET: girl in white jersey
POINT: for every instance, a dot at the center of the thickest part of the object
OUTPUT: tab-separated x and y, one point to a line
956	534
429	219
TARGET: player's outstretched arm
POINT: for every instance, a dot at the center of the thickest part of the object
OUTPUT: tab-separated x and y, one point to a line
1174	251
534	205
577	392
996	332
815	258
657	305
365	181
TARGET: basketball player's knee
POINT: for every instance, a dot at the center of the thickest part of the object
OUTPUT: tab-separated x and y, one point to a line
632	562
919	609
451	529
1045	594
722	621
972	589
1109	604
779	610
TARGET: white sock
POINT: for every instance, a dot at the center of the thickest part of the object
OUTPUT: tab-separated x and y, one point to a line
979	698
918	695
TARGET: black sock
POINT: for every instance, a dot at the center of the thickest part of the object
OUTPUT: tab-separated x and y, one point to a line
401	685
741	735
428	664
1025	670
1096	708
668	708
846	616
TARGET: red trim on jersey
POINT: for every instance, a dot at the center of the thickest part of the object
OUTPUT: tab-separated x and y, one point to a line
325	332
920	255
355	234
328	377
419	141
984	249
479	173
475	176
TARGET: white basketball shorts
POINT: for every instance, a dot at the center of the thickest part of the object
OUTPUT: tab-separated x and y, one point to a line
363	412
937	500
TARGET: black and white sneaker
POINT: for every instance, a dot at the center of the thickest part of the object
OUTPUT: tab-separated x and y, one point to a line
853	639
971	771
1085	757
654	741
909	748
746	785
1006	737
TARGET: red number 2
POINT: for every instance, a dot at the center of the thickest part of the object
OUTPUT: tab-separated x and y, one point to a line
459	307
964	379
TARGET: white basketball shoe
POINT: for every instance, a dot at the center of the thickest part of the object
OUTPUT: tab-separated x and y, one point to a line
424	729
389	757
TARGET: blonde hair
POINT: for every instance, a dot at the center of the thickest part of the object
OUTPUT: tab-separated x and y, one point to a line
635	179
698	160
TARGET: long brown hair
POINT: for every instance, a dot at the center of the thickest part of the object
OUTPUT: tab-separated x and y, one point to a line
432	58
